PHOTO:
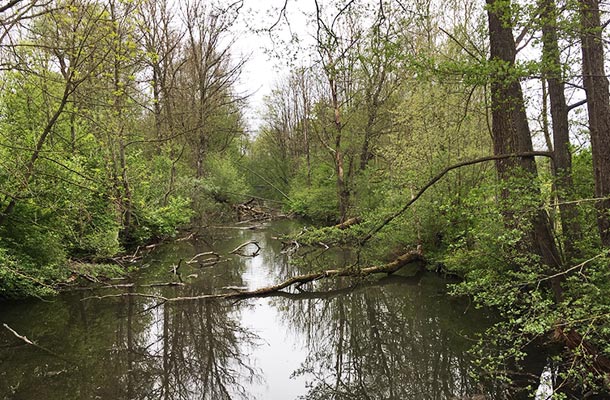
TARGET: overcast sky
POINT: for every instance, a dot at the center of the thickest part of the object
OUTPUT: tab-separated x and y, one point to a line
261	70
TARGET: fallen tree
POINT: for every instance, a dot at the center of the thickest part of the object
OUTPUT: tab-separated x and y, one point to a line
297	281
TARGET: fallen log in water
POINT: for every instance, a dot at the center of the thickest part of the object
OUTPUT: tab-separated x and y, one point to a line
298	280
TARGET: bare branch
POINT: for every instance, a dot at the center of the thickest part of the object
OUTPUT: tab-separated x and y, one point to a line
299	280
9	5
34	344
281	15
237	250
438	177
577	104
471	54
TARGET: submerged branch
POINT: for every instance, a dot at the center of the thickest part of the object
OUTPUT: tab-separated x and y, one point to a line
238	249
195	258
26	340
298	280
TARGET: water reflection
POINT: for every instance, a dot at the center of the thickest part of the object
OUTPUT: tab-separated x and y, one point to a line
132	350
386	342
395	338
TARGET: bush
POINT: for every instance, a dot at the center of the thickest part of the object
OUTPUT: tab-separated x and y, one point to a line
161	222
317	201
22	276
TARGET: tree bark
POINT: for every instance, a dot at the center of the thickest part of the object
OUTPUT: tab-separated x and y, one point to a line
342	189
511	134
562	169
29	167
598	106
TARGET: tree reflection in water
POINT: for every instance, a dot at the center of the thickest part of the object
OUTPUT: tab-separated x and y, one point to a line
386	341
394	338
191	350
132	349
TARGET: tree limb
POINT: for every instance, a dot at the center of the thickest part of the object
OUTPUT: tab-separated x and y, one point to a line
9	5
438	177
299	280
577	104
241	246
34	344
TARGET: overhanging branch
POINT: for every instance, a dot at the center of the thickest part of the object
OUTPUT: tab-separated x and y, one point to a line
440	175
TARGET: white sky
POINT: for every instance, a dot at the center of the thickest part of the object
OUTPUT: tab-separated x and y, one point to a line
261	71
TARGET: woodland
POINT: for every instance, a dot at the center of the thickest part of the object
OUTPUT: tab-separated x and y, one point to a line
473	134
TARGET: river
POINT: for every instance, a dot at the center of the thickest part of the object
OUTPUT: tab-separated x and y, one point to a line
394	337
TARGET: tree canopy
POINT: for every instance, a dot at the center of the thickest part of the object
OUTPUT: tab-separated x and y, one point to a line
476	132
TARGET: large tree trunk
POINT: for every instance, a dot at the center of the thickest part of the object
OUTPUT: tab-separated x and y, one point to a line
511	132
561	138
598	105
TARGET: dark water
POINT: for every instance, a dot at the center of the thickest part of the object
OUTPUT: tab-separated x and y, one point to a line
391	338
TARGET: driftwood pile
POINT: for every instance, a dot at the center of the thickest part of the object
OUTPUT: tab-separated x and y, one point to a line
254	211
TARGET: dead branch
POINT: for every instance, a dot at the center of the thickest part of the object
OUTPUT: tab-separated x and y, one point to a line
207	253
151	285
174	268
290	247
348	223
186	238
252	212
240	228
211	263
34	344
129	294
237	250
125	286
85	276
390	268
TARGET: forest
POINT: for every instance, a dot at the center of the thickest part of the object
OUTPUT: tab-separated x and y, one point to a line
475	134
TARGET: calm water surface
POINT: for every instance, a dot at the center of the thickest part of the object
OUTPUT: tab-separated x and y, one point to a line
395	337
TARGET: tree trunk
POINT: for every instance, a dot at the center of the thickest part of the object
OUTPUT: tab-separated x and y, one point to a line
365	152
511	133
562	168
598	106
121	183
126	201
342	188
29	167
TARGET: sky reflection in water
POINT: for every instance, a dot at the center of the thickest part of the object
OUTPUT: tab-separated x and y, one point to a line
394	338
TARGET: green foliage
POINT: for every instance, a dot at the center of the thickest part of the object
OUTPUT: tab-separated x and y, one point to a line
317	200
332	236
98	270
22	275
268	171
91	164
223	181
501	271
222	186
161	221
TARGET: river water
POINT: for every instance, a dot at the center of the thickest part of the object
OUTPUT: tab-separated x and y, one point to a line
396	337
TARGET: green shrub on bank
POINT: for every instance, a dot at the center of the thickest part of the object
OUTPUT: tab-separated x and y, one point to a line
21	276
316	199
